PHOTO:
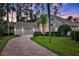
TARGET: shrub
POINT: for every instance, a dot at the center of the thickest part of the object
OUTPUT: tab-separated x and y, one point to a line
53	34
2	27
1	31
6	34
64	29
37	34
75	35
47	34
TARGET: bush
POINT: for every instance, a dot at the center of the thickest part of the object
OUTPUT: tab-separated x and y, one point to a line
1	31
6	34
37	34
53	34
64	29
47	34
75	35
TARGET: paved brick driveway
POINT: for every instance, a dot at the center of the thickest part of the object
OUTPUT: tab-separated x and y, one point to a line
24	46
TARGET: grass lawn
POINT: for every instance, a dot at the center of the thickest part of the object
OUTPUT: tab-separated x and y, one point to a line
64	46
3	41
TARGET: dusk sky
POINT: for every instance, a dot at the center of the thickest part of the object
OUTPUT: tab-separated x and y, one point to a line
70	9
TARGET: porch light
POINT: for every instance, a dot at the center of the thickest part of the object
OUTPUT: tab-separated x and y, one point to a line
33	29
22	30
15	31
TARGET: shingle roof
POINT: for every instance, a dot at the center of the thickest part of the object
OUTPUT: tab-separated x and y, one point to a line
64	21
24	25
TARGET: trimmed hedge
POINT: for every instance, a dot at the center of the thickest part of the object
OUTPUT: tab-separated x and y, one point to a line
5	34
47	34
75	35
53	34
37	34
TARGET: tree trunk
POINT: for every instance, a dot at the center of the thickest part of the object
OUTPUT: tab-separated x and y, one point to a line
48	9
7	20
17	13
12	11
31	12
20	13
12	15
43	31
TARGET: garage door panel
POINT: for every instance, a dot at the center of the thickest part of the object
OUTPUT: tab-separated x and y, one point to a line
27	31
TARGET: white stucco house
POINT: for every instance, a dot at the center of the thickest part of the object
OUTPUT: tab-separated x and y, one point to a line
22	28
58	21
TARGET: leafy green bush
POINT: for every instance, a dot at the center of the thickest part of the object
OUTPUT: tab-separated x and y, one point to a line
5	34
37	34
2	27
47	34
1	31
64	29
53	34
75	35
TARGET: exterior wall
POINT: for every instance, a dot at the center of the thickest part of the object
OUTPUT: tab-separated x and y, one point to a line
54	27
75	28
17	31
45	28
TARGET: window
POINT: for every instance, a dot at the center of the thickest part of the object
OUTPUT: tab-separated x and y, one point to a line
56	28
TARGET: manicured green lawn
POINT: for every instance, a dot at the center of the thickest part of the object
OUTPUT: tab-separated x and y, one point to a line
3	41
60	45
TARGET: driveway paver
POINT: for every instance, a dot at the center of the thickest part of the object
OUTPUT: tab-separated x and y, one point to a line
24	46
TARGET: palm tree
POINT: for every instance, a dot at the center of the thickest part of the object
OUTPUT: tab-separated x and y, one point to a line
42	7
25	10
17	12
70	18
42	18
20	12
19	15
56	8
43	21
31	11
37	10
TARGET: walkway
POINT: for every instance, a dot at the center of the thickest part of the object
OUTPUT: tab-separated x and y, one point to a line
24	46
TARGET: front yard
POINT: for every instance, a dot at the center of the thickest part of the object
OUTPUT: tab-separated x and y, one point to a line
3	41
59	45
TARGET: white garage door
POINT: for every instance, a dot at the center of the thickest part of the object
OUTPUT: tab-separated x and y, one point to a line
23	31
27	31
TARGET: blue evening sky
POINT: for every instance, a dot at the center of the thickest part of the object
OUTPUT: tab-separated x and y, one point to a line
70	9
